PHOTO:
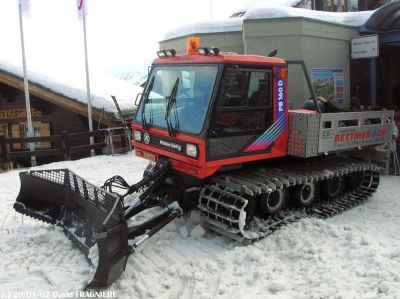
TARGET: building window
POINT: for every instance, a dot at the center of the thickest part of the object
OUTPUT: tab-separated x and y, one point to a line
352	5
337	5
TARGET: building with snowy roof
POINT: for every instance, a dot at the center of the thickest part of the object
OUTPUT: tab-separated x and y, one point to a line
321	39
59	106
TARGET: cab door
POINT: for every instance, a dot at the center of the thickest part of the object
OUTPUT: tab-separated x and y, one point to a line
242	112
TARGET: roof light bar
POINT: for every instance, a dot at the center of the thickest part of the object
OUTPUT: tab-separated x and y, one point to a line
166	53
203	51
208	51
170	52
214	51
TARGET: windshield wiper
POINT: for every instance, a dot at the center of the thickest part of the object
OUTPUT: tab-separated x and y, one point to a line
171	102
145	101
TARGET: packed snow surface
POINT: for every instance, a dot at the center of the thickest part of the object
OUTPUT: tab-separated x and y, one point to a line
352	255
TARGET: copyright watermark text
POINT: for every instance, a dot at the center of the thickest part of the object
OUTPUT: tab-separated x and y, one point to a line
58	294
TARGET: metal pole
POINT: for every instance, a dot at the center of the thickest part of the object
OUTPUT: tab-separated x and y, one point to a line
211	10
92	152
372	82
26	89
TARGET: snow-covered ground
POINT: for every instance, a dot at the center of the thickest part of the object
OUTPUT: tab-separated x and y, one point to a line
353	255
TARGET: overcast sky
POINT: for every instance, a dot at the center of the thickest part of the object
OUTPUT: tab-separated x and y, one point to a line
120	32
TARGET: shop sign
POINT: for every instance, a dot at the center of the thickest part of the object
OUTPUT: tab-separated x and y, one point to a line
17	113
365	47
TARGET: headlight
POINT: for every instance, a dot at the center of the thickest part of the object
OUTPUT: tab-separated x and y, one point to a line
191	150
137	135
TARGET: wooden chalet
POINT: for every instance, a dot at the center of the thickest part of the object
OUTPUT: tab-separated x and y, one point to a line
52	114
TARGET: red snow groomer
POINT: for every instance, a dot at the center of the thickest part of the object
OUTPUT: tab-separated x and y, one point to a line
220	139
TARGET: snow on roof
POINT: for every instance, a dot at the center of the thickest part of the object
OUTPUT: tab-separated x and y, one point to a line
258	11
102	87
259	3
343	18
228	25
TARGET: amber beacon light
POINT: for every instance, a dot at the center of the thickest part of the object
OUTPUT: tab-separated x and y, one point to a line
193	43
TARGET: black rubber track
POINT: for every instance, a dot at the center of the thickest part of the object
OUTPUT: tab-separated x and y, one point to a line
224	203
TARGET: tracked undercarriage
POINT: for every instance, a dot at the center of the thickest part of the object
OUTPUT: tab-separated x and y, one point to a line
248	205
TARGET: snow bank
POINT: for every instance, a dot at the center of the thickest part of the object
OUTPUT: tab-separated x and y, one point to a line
353	255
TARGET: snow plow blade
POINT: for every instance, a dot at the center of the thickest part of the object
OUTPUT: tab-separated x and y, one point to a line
87	214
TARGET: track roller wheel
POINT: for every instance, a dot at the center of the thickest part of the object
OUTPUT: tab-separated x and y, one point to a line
367	180
353	180
305	194
273	202
331	188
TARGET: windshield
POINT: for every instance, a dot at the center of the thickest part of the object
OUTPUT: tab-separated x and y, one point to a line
195	86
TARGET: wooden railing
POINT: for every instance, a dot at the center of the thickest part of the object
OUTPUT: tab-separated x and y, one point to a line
3	152
66	145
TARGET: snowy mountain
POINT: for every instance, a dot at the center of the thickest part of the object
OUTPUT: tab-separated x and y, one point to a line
136	75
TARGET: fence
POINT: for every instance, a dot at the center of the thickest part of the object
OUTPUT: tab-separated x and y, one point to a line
118	140
112	140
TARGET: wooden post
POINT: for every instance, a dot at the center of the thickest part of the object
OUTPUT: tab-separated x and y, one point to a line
128	138
110	142
3	153
65	142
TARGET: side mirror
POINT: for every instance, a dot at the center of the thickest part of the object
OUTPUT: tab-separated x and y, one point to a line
136	100
272	53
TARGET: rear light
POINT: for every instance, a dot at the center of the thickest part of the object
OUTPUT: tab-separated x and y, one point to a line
191	150
282	73
137	135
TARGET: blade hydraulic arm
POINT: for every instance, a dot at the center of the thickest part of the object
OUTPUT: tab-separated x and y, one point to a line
90	215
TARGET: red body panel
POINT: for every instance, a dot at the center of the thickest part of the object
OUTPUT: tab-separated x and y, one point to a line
200	167
227	59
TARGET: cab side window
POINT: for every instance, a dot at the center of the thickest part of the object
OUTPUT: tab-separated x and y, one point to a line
244	102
